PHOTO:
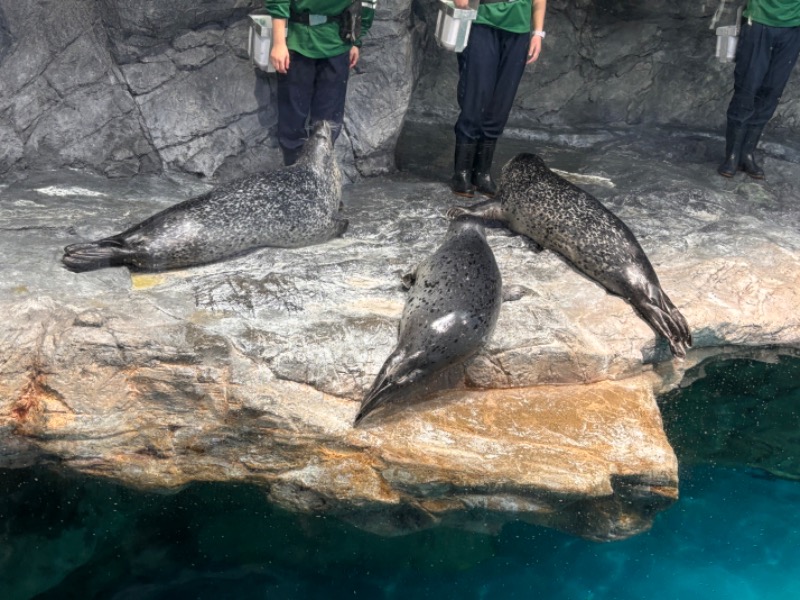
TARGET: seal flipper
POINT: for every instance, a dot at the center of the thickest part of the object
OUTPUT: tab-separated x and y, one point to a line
339	227
663	316
108	252
486	211
409	279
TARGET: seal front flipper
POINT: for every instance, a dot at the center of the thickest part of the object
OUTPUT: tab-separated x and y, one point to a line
485	211
108	252
409	279
339	227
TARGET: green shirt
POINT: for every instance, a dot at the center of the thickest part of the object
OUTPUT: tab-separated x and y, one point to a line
775	13
319	41
513	16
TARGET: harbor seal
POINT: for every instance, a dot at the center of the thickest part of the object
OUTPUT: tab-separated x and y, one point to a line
559	216
288	208
450	313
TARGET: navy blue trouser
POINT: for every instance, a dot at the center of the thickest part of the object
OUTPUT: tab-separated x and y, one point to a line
315	88
765	57
489	72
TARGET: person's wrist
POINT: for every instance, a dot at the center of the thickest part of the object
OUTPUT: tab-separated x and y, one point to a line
538	33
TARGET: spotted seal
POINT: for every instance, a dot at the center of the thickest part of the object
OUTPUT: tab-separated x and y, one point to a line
288	208
450	313
559	216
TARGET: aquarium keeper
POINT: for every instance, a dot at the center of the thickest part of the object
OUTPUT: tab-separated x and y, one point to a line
769	42
316	43
501	42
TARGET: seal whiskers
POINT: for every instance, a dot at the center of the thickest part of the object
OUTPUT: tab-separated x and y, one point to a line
557	215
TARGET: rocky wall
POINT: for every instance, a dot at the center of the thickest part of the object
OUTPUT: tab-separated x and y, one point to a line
612	64
123	88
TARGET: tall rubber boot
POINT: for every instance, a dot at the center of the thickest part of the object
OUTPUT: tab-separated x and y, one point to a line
748	162
461	182
481	173
734	136
290	155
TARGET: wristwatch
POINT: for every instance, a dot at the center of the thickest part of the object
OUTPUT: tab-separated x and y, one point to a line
541	34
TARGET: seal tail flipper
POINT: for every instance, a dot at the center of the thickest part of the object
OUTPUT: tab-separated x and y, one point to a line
663	316
108	252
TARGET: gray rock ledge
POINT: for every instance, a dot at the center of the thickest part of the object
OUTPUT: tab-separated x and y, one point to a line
252	369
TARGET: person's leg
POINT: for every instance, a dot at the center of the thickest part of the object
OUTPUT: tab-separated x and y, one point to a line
785	45
513	52
477	69
294	100
752	63
330	91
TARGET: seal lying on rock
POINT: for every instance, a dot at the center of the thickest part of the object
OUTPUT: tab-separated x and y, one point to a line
292	207
559	216
450	314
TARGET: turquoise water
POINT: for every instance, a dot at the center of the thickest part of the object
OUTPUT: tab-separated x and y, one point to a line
734	534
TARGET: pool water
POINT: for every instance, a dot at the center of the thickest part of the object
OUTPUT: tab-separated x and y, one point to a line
734	533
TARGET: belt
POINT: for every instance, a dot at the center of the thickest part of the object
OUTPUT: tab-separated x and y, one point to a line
306	18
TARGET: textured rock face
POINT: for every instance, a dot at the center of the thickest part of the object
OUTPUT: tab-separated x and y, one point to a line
612	64
138	87
253	369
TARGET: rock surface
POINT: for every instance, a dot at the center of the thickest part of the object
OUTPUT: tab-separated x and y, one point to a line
253	369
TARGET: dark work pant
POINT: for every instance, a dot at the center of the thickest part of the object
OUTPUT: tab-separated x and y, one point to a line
489	71
315	88
765	57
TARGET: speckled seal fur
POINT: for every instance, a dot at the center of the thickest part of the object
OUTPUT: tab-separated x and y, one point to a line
559	216
450	314
291	207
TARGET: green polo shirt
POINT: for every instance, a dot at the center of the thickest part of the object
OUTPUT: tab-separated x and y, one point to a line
318	41
513	16
775	13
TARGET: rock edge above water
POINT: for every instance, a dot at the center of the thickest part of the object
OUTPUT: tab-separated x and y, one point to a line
252	369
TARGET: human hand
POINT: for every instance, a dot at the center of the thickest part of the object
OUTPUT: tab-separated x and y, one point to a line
279	57
354	54
534	49
463	4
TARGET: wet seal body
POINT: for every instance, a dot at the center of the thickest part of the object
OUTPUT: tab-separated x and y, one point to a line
559	216
288	208
450	314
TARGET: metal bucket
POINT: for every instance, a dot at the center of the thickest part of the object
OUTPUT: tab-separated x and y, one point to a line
727	38
453	25
259	43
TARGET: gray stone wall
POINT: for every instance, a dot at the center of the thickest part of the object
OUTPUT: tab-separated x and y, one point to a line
127	87
611	64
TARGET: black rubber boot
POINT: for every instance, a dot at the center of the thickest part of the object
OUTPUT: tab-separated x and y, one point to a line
734	136
481	173
748	162
290	155
461	183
